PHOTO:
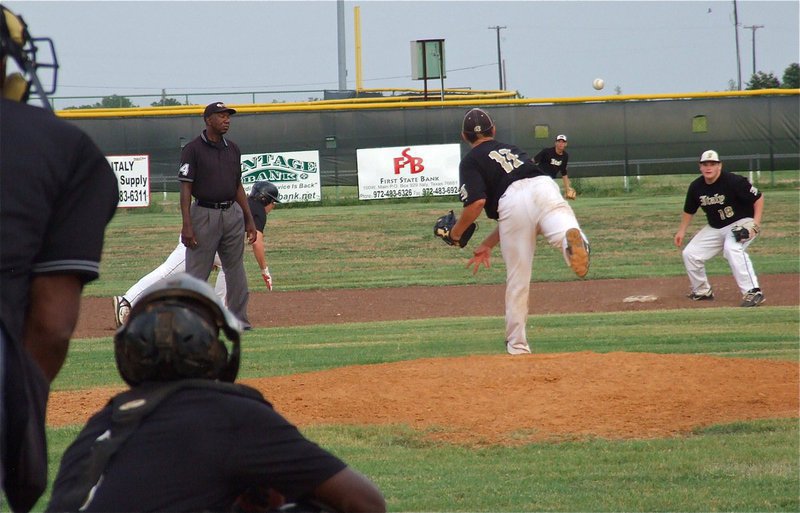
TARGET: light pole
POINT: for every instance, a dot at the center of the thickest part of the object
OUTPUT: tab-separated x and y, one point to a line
738	58
499	57
754	28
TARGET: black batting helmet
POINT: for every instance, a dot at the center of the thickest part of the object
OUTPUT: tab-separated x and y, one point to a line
173	332
265	192
17	43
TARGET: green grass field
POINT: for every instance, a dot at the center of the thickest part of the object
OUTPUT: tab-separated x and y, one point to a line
744	466
390	244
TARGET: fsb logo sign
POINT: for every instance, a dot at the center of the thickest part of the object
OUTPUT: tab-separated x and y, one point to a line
408	171
414	164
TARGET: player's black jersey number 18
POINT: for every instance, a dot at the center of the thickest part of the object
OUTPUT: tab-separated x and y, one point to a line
507	160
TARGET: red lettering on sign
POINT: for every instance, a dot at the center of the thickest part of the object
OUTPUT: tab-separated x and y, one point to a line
414	163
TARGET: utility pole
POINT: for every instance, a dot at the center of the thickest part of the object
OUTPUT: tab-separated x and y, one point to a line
340	35
499	56
754	28
738	58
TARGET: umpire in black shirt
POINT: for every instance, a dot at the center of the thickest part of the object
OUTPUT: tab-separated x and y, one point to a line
216	221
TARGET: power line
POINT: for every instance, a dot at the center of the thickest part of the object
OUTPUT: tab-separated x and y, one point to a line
248	88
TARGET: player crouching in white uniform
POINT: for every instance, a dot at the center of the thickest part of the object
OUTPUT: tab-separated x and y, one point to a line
175	263
733	208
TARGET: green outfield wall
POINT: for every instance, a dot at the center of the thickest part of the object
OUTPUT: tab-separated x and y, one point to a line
612	136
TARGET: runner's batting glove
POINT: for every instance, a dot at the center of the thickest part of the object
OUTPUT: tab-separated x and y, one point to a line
267	277
571	193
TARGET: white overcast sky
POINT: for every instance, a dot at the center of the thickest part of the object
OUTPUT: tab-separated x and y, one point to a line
550	48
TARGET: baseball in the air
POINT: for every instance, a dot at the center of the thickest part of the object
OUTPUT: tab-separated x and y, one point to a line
598	83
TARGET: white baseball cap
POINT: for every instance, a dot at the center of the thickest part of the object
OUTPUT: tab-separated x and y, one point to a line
561	137
709	156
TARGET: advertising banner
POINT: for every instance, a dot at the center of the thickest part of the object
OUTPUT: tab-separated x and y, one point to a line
294	173
133	179
408	171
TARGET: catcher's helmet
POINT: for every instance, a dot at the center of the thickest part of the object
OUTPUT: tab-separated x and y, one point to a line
173	333
17	43
265	192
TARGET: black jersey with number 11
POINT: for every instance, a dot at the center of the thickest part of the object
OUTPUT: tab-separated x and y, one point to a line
489	168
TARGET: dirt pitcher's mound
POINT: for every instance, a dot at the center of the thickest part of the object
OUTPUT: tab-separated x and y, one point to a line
516	399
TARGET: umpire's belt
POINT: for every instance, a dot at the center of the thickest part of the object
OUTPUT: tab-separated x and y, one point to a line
222	205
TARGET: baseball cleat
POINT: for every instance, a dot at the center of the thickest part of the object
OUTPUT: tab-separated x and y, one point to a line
577	252
753	297
122	308
708	296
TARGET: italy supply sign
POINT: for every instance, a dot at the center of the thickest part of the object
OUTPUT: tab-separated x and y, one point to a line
408	171
294	173
133	179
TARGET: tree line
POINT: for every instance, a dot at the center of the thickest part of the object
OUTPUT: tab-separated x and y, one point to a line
761	80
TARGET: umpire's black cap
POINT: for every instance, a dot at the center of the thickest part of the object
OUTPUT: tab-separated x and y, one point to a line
477	121
213	108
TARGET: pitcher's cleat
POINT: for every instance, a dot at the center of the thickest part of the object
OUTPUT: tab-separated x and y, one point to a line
577	252
122	308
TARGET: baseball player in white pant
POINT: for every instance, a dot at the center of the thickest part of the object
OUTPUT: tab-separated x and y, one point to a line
502	180
175	263
729	201
262	199
530	206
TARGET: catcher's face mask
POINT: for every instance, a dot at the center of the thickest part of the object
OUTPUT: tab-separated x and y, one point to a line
17	43
173	333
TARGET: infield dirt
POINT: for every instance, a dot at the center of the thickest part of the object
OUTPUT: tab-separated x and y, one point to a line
501	399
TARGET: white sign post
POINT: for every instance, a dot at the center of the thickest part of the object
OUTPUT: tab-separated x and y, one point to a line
408	171
133	179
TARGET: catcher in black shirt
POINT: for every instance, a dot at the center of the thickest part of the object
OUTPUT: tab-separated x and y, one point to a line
185	438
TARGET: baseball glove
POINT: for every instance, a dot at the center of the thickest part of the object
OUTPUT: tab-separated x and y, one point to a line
745	231
443	226
570	193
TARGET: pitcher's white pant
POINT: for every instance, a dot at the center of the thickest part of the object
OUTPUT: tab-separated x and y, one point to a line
175	263
528	207
708	243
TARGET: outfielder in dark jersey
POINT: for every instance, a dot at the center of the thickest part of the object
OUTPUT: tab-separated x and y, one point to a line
554	161
502	180
727	200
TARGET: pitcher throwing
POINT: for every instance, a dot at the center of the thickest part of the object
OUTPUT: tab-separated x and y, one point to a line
503	180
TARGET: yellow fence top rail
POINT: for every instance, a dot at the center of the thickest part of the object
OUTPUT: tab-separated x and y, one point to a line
473	98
